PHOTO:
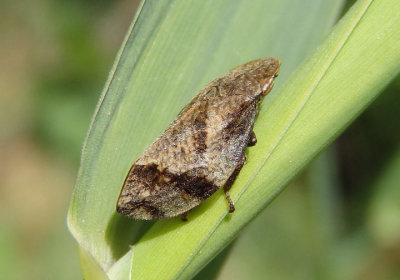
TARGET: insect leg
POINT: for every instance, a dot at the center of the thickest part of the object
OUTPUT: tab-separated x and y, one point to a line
230	181
252	139
184	216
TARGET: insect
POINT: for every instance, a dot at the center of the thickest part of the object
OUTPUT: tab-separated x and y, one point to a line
203	149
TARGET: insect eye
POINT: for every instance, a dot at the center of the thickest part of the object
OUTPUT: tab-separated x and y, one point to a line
268	84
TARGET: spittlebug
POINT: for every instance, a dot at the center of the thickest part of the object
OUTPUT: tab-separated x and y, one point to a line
203	149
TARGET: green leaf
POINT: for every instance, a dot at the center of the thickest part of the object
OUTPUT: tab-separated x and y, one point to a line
90	267
174	49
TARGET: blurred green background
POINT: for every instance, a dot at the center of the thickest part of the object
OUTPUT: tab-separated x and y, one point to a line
340	219
55	57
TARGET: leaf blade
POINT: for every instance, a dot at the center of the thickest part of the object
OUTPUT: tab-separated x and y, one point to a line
148	66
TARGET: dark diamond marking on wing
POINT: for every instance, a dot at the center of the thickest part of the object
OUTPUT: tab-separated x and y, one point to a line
195	185
148	178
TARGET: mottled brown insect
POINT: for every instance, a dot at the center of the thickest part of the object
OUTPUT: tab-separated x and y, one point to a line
202	150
